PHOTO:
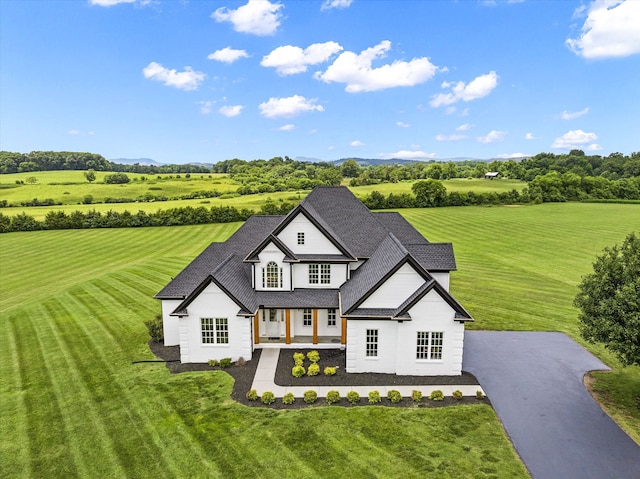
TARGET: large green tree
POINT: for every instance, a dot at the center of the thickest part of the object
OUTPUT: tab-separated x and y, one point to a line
609	301
429	193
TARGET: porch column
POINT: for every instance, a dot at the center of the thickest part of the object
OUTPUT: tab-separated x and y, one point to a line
343	338
315	326
256	328
287	319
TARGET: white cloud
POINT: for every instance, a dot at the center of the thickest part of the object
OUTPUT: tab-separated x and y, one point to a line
408	154
329	4
492	136
80	133
455	137
612	29
356	143
206	106
465	127
479	87
529	136
288	107
109	3
228	55
185	80
230	110
570	115
357	72
288	127
288	60
507	156
74	132
257	17
402	124
575	139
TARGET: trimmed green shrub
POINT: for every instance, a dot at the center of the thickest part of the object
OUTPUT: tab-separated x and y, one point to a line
225	363
252	395
313	356
394	396
268	397
313	369
480	395
353	397
333	396
298	359
298	371
154	326
213	363
416	395
374	397
457	394
310	396
288	398
330	371
436	395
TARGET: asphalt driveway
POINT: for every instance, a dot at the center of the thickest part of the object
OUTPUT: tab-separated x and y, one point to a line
534	381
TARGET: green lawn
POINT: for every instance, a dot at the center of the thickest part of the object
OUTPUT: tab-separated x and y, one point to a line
73	405
477	185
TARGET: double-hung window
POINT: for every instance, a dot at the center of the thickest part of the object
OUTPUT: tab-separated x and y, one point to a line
214	330
325	274
429	344
272	275
372	343
313	274
331	317
306	317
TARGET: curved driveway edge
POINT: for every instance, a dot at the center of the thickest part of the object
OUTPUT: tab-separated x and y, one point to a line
534	382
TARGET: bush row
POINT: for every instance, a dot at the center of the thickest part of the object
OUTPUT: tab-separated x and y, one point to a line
353	397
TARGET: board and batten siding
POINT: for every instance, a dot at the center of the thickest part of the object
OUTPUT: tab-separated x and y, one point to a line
170	323
395	290
315	242
212	302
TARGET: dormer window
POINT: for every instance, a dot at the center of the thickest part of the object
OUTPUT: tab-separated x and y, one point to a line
272	275
301	237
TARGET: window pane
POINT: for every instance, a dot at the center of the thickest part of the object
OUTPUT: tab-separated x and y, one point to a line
306	317
372	343
313	274
422	345
436	345
331	317
273	280
222	331
207	329
300	238
325	274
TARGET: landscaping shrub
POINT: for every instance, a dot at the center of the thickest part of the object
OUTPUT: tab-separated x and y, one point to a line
268	397
154	326
313	356
333	396
252	395
241	361
298	359
374	397
457	394
330	371
353	397
225	363
480	395
313	369
288	398
213	362
416	395
116	179
436	395
394	396
310	396
298	371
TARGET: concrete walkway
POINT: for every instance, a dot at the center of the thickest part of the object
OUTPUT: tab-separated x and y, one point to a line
265	373
535	382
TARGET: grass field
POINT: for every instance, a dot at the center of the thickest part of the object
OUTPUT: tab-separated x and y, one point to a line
73	405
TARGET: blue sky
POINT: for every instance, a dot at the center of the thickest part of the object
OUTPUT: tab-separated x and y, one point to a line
203	81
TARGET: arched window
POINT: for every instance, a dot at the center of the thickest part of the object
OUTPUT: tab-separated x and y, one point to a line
272	275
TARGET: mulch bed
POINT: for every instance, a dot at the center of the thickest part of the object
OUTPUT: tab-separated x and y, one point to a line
243	379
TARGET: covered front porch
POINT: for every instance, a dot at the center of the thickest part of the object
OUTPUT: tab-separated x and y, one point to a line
304	327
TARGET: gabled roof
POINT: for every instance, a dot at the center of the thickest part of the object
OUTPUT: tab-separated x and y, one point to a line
400	227
289	256
434	256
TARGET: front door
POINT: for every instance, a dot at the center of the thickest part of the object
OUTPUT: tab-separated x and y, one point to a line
273	323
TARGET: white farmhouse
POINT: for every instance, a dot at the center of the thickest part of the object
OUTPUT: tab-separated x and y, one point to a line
330	274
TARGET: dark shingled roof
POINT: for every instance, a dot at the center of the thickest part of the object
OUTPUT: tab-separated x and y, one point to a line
386	240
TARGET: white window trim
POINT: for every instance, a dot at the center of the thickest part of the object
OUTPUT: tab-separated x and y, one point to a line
429	345
215	332
330	312
376	342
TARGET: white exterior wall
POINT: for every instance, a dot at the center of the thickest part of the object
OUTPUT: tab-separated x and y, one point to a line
442	278
357	360
170	323
431	313
214	303
301	276
314	241
395	290
397	342
324	329
272	253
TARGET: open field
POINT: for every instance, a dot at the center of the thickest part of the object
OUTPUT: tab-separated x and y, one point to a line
73	405
477	185
72	305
